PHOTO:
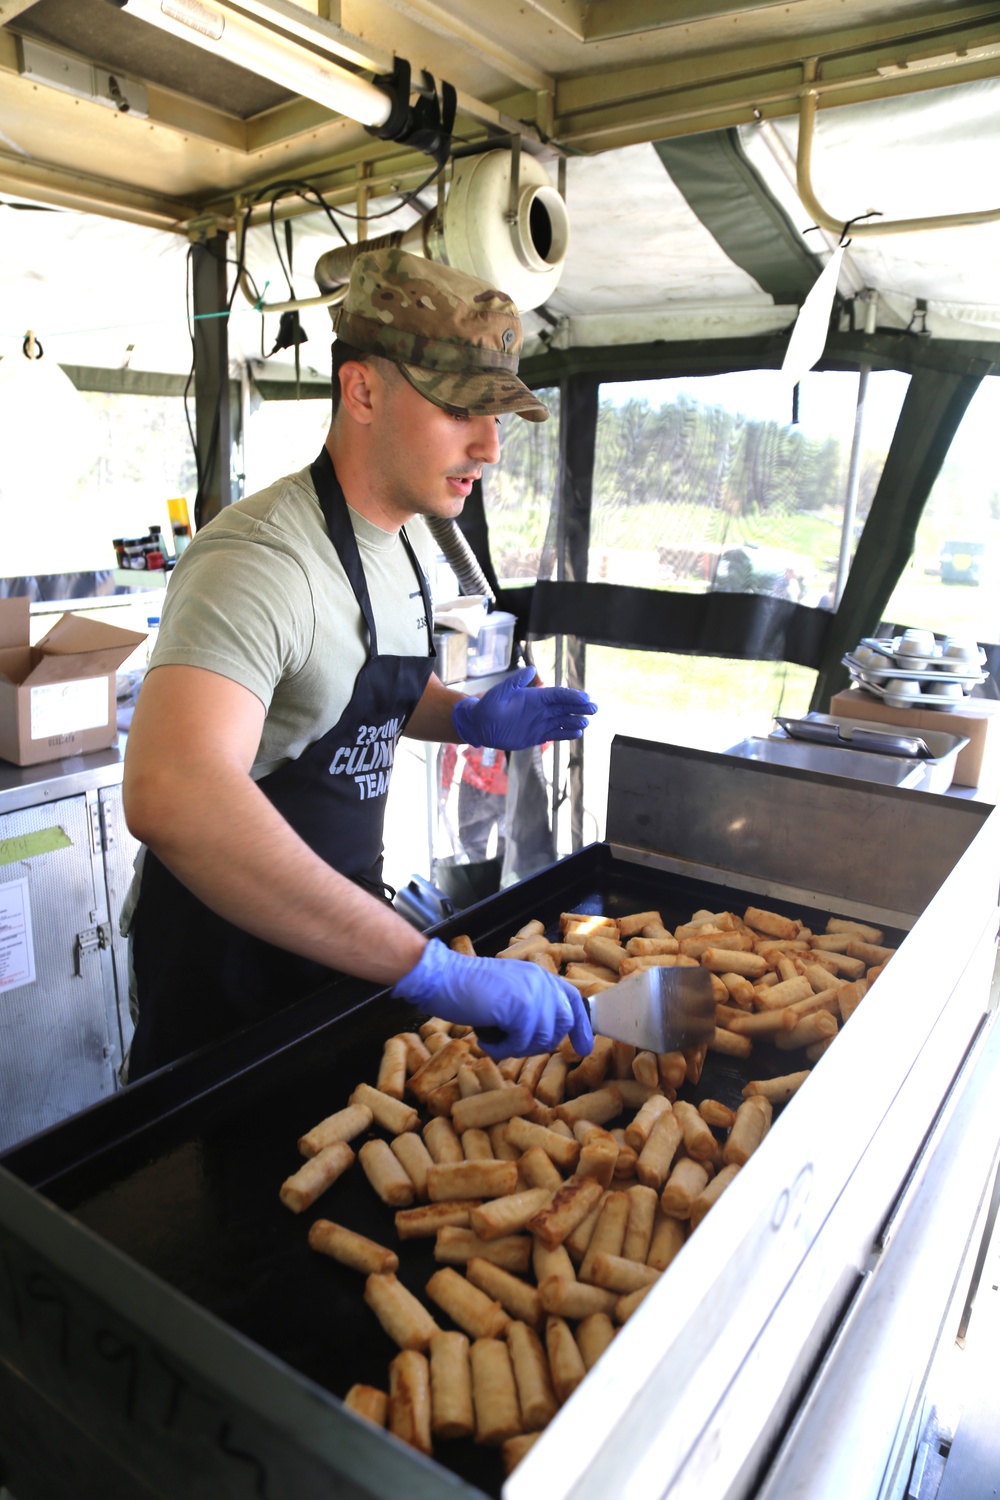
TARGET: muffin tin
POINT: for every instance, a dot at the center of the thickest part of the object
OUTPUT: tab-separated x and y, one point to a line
880	666
890	649
920	699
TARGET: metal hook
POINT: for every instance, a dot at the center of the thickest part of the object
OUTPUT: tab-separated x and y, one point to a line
919	313
873	213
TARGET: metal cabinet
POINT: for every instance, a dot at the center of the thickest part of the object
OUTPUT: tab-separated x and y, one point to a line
65	865
119	849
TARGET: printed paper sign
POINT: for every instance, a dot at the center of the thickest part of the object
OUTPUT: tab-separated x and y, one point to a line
67	707
17	948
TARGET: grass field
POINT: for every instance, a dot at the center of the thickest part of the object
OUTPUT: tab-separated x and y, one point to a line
706	702
922	599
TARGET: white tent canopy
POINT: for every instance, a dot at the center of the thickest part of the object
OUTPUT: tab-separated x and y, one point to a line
924	155
641	266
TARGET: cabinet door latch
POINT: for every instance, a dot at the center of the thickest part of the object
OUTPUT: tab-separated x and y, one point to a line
107	826
90	940
96	837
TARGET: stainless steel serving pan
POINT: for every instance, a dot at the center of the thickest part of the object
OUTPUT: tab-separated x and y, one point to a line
823	730
833	760
937	751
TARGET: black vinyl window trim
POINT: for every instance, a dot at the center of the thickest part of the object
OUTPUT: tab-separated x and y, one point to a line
945	375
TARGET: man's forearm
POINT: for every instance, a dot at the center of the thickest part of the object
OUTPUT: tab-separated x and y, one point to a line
233	850
431	719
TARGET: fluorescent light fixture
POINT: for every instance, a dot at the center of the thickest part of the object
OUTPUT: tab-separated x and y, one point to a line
260	50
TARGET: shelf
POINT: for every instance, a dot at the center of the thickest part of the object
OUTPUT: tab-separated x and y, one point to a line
141	578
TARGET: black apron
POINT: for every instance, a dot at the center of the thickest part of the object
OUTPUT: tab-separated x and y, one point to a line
199	977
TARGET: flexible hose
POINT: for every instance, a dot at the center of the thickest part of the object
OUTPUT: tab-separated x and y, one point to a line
460	555
334	268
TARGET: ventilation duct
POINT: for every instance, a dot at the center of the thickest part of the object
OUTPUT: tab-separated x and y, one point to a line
502	221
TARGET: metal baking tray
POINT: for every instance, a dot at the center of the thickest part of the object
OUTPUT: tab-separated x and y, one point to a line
912	669
823	730
867	734
872	684
890	649
916	669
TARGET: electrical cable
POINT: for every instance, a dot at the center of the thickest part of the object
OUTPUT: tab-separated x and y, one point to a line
308	193
403	197
277	248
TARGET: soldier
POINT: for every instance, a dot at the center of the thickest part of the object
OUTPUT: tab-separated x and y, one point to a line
294	649
482	797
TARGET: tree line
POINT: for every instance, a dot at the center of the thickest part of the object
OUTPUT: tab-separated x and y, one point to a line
688	453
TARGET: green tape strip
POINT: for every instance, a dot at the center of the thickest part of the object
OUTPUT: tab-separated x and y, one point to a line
27	845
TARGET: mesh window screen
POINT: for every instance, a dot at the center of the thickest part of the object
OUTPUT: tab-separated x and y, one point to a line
519	497
707	483
701	485
952	585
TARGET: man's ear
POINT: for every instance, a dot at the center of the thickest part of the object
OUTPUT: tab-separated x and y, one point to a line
356	390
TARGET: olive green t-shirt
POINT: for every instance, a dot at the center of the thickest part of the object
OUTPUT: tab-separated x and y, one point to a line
261	597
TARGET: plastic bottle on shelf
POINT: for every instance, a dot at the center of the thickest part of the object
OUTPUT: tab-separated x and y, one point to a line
152	632
157	554
180	523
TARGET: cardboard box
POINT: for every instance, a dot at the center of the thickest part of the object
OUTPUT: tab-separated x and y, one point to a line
58	698
978	764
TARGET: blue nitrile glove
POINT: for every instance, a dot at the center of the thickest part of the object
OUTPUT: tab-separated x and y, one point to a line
514	715
534	1008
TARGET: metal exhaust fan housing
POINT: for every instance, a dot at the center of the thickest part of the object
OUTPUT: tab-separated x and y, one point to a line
502	221
505	222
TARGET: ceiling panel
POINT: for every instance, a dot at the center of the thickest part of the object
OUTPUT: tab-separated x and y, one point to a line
589	75
103	33
595	81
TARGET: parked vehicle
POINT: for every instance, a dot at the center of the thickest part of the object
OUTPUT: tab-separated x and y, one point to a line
962	562
749	569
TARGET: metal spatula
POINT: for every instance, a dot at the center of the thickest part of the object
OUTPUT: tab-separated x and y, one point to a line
659	1009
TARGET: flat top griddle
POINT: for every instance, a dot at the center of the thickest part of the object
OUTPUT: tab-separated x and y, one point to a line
181	1172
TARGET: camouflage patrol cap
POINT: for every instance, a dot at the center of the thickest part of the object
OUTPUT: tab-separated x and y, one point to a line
455	338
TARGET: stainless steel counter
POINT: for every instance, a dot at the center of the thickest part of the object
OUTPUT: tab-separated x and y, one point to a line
31	786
